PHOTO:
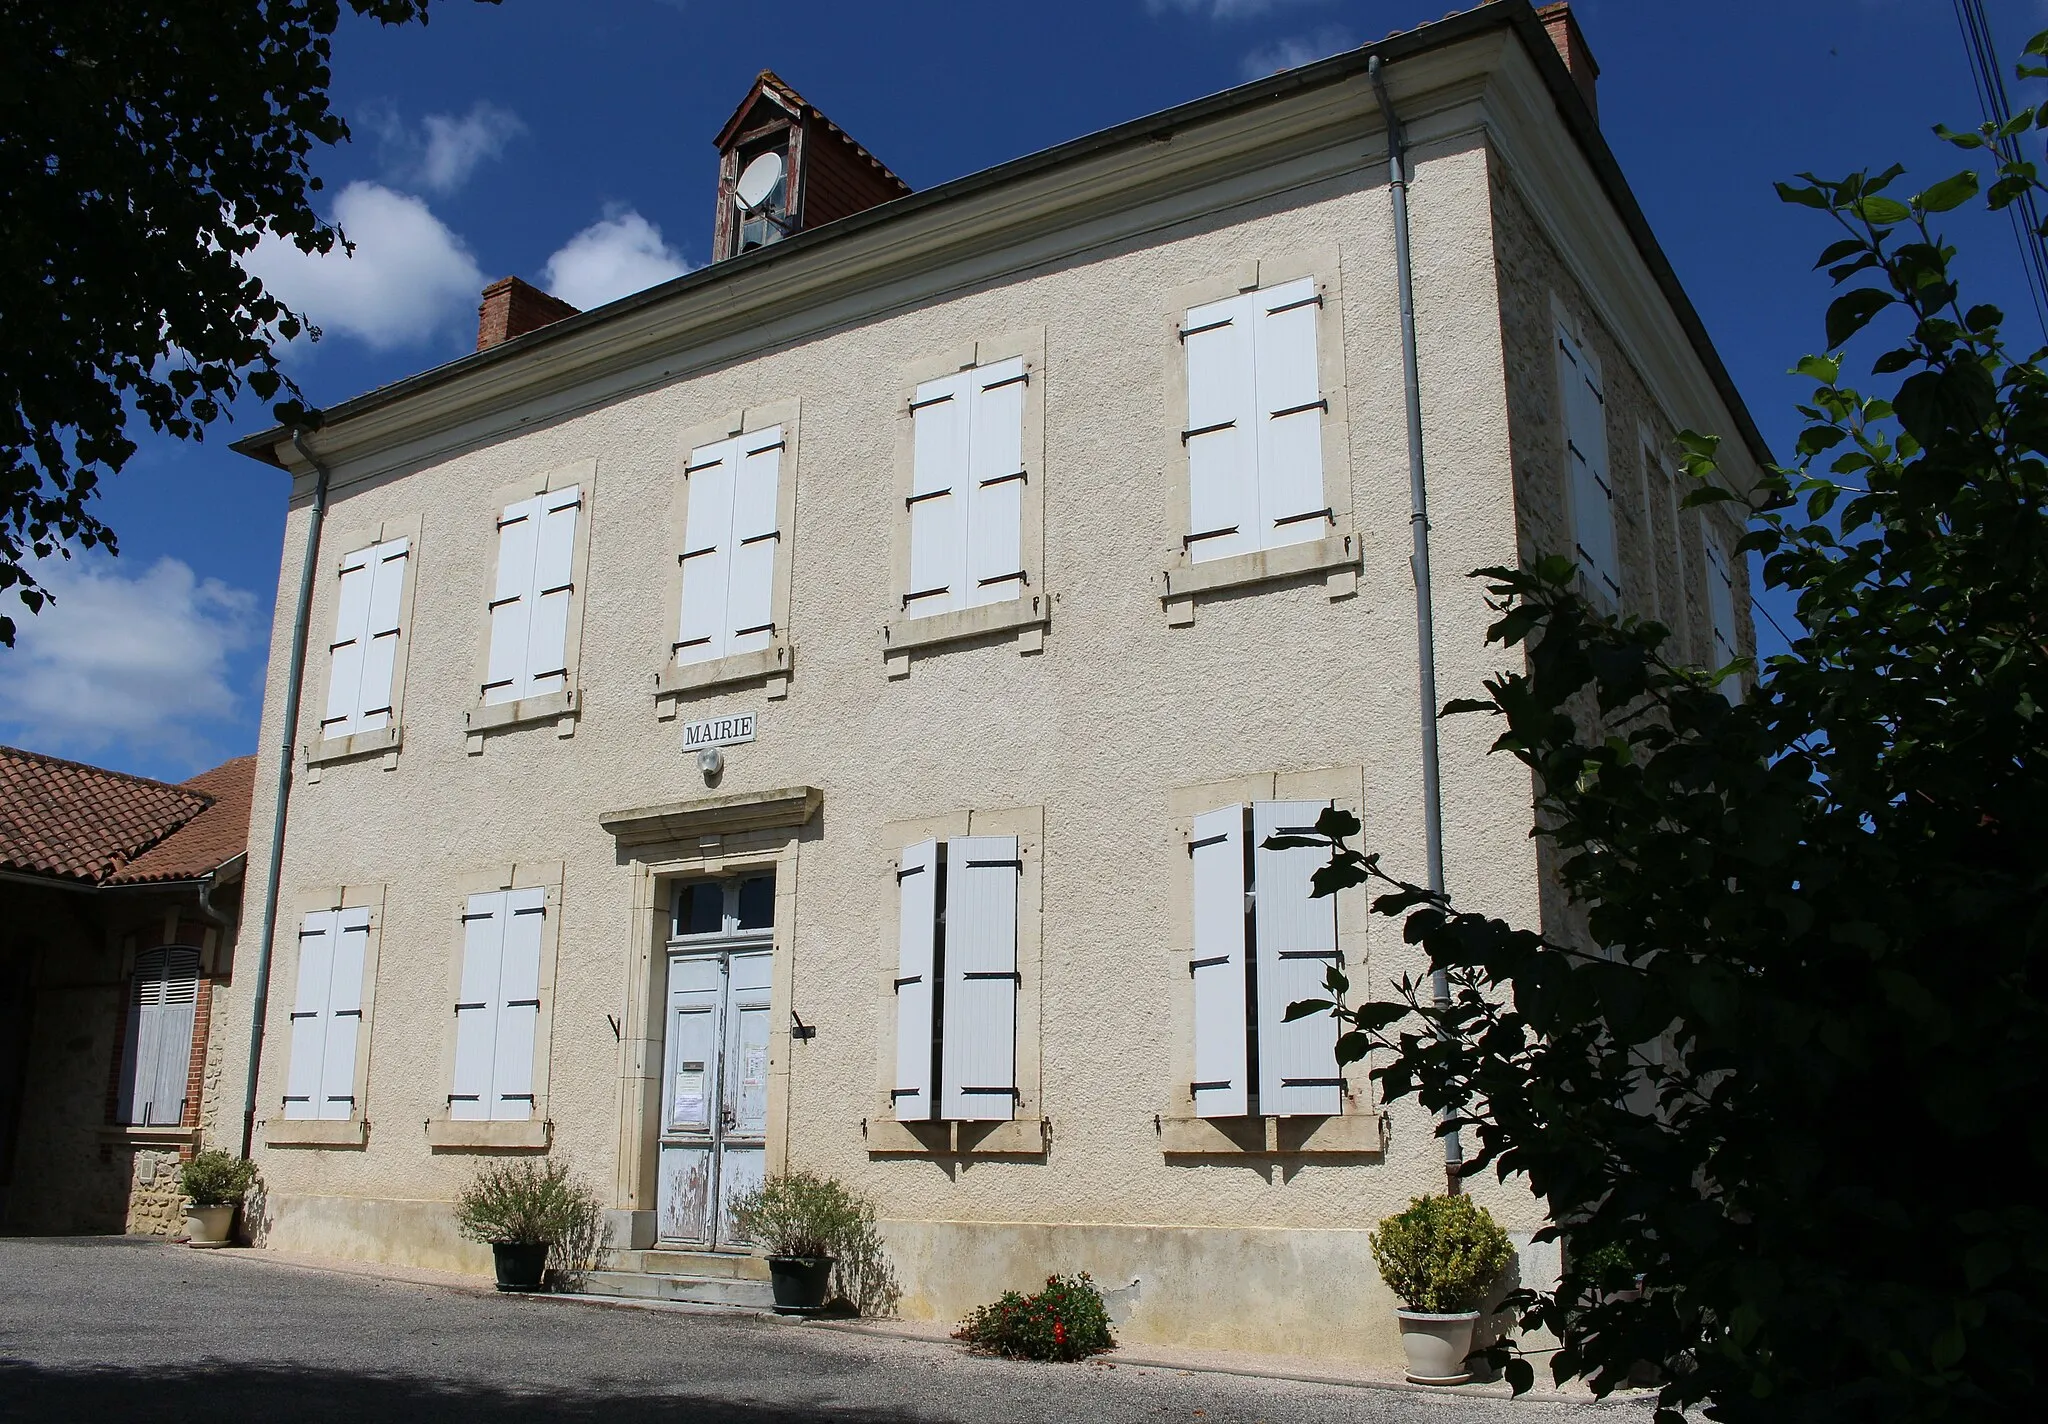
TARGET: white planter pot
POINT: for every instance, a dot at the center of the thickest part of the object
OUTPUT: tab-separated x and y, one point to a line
1436	1345
208	1225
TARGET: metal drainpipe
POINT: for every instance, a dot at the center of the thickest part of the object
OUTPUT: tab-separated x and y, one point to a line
1418	524
296	675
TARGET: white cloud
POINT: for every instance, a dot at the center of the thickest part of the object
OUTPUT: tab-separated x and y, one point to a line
137	661
1224	9
408	281
456	146
1295	50
618	255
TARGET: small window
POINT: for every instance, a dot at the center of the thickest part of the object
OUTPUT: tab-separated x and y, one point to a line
966	501
957	980
1592	483
364	649
530	604
761	195
327	1015
732	533
739	904
157	1054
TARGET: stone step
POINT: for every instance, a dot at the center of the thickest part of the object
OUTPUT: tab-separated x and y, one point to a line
710	1265
694	1290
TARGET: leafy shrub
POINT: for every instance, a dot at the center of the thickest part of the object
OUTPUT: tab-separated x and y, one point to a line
1442	1254
1065	1321
216	1178
530	1203
801	1213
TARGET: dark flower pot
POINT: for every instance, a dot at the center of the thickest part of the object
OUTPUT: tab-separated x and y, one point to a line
521	1264
801	1283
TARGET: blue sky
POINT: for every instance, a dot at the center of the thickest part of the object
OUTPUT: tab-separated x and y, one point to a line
571	144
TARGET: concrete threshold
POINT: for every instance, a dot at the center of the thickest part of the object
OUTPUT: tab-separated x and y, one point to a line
1180	1360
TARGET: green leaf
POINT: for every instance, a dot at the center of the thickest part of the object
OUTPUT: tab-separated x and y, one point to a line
1825	369
1951	192
1881	212
1852	311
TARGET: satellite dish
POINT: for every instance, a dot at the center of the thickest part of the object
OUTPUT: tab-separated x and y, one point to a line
758	181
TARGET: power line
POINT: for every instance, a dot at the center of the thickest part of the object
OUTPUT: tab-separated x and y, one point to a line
1982	50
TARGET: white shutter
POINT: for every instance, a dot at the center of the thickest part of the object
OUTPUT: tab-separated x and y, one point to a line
1222	429
373	697
512	601
917	892
942	440
553	565
174	1042
1721	610
1297	942
518	1006
1289	414
476	1005
344	1014
707	553
995	484
1592	485
346	650
756	532
145	1024
978	1041
303	1087
1217	965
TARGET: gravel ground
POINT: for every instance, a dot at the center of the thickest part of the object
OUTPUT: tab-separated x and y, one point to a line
101	1328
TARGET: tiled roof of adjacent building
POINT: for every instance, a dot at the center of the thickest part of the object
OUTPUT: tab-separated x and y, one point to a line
85	824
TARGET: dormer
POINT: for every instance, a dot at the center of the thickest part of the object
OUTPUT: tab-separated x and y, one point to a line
785	168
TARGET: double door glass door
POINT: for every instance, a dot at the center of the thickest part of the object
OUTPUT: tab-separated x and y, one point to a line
714	1091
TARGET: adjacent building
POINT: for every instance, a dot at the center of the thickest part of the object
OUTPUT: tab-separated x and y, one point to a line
829	709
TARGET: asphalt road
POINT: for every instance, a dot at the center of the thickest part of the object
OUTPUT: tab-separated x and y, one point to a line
110	1329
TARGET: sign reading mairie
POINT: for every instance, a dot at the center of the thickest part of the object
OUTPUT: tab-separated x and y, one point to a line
718	732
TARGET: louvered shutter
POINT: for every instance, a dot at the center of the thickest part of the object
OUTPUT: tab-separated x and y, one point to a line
1222	429
512	601
518	1006
917	891
553	565
995	485
476	1005
978	1041
1592	484
373	697
346	651
942	438
344	1014
174	1044
1297	943
1721	612
145	1031
707	553
756	531
1222	1060
303	1091
1292	507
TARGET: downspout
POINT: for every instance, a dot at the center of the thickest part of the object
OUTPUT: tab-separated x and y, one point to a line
1418	562
294	677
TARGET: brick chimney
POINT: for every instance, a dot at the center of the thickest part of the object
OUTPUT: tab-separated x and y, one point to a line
1571	48
512	307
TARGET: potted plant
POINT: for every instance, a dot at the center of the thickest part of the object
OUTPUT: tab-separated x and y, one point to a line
528	1212
800	1219
1440	1257
216	1182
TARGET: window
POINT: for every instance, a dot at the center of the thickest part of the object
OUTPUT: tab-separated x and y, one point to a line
362	656
327	1015
163	998
957	980
1261	942
970	498
739	905
966	500
498	1006
1592	486
732	532
1721	611
532	596
1254	432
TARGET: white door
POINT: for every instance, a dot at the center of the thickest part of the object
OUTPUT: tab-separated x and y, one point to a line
714	1092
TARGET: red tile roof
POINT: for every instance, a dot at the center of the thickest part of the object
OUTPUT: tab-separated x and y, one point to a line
86	824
